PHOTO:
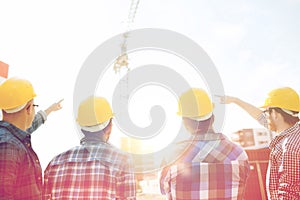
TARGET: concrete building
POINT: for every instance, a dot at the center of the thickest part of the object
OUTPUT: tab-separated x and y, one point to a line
255	142
252	137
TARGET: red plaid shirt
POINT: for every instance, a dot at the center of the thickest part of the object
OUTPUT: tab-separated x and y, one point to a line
90	171
283	176
212	167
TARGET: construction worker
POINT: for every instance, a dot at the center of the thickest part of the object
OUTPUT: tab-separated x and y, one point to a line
210	166
279	114
21	174
95	169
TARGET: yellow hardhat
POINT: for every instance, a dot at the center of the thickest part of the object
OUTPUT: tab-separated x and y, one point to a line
285	98
195	103
93	111
15	92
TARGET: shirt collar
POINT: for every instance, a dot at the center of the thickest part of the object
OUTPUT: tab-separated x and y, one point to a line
93	138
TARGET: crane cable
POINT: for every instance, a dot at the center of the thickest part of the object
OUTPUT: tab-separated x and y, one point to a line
132	12
122	60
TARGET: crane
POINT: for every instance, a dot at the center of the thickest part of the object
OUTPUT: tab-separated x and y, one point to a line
122	60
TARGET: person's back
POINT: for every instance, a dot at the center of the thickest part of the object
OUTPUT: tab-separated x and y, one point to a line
209	165
89	171
95	169
212	168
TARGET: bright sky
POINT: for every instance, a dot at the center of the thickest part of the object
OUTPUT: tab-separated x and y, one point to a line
254	45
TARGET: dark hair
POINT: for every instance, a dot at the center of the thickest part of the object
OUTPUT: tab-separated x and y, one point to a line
198	127
289	119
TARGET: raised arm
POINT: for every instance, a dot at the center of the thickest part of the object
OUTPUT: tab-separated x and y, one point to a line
252	110
42	115
54	107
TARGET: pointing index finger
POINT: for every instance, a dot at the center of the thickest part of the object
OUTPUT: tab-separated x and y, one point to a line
60	101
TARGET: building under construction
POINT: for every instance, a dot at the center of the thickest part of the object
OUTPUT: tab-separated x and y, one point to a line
255	143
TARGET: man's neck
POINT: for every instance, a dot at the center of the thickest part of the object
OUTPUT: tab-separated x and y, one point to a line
283	127
16	121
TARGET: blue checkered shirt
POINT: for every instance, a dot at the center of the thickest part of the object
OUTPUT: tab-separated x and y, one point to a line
20	169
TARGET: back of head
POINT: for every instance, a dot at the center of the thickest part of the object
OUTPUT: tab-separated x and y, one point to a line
94	114
15	93
196	108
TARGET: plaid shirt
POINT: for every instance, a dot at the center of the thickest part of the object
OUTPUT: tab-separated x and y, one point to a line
213	167
20	170
283	176
90	171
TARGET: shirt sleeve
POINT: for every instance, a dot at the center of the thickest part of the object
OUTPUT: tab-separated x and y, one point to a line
38	120
126	181
262	119
9	165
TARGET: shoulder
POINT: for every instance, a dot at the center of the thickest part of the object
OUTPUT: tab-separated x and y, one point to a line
5	135
294	132
8	138
119	156
115	157
66	156
227	140
234	150
109	148
294	140
85	153
10	147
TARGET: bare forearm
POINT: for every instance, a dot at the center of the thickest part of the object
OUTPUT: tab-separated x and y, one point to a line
53	107
252	110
